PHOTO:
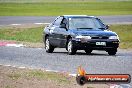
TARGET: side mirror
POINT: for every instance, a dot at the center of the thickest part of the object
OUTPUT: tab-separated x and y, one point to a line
107	26
63	25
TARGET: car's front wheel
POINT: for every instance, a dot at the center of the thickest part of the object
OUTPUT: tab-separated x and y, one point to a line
71	48
112	51
49	48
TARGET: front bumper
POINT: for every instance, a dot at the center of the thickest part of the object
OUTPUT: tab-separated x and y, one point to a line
91	44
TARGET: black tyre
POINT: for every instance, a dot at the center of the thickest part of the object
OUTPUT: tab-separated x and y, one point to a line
112	52
49	48
88	51
71	48
81	80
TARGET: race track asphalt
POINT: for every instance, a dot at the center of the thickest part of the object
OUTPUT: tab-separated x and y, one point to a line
97	62
7	20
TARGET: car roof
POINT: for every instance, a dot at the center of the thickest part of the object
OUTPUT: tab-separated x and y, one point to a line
70	16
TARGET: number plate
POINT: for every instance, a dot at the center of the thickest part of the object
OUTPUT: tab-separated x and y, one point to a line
101	43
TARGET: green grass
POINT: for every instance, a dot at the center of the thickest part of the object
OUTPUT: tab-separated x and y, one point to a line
42	1
125	34
35	34
26	35
14	76
8	86
61	8
39	74
59	78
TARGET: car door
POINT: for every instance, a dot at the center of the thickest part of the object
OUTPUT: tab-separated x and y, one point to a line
63	33
55	31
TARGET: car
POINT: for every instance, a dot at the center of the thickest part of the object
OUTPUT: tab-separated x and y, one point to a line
80	32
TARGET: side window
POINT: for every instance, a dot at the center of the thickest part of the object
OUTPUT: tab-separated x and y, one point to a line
58	21
64	21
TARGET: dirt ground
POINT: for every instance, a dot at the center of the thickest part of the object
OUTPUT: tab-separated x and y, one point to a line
11	77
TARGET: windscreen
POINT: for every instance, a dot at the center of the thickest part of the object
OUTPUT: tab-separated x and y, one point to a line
85	23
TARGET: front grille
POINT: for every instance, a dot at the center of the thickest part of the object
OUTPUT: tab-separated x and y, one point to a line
100	37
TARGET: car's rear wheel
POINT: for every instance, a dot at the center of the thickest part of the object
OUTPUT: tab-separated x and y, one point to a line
71	48
49	48
112	51
88	51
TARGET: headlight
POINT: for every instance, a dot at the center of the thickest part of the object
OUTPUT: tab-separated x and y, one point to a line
114	37
83	37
